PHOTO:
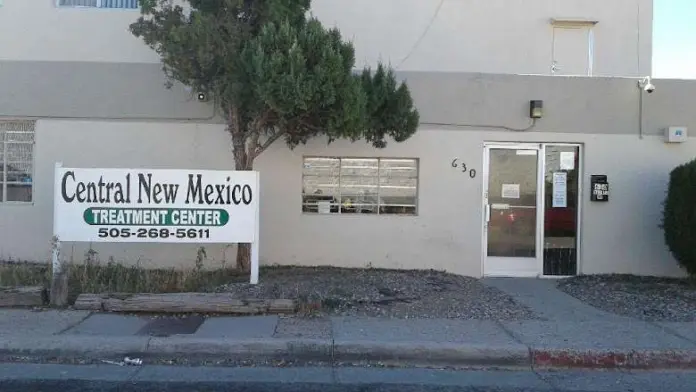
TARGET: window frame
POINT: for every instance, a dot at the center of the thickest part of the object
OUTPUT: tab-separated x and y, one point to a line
379	159
573	23
97	7
3	165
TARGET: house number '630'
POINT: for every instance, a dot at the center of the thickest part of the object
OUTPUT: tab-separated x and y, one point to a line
455	164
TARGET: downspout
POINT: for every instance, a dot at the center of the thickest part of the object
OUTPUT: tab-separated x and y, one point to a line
640	113
638	64
638	56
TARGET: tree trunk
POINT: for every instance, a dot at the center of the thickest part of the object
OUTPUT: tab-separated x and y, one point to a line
243	160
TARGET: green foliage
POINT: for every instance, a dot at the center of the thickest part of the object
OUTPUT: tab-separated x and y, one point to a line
679	216
275	73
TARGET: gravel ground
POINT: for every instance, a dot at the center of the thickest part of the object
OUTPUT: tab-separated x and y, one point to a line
383	293
643	298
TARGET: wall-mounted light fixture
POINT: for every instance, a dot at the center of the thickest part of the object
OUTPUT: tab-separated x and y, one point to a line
536	108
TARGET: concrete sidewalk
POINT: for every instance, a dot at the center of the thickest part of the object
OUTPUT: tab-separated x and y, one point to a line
588	343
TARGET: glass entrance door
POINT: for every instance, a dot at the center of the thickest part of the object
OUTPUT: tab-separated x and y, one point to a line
512	224
561	209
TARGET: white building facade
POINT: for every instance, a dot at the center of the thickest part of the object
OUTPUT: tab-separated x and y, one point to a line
481	189
540	37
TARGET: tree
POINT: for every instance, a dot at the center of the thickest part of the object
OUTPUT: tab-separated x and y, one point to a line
275	73
679	216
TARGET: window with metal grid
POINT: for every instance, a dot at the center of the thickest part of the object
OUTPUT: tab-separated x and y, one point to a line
16	161
123	4
360	185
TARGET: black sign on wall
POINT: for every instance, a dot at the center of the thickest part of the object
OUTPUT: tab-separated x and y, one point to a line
599	188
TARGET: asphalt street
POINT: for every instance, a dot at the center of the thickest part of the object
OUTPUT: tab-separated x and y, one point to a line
91	378
66	386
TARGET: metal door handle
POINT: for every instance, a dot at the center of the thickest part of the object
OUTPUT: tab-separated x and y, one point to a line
488	213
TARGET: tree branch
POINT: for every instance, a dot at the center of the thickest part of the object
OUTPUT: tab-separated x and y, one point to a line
253	143
262	147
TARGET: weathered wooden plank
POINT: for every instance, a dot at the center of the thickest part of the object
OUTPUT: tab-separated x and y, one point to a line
183	303
23	296
282	306
175	303
88	302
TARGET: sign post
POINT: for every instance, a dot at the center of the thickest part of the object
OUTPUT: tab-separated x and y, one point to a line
254	279
156	206
59	275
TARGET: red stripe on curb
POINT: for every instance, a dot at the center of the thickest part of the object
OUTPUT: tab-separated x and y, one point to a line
614	359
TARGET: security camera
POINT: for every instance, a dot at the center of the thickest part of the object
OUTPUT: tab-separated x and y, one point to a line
202	97
646	85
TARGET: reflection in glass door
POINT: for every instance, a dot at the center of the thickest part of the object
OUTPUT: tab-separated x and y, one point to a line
561	202
512	210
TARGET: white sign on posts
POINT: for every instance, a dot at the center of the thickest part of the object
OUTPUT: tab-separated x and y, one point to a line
157	205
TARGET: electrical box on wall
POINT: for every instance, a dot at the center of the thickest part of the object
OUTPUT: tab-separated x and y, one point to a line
676	134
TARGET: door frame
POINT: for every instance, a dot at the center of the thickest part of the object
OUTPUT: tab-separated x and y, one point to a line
541	203
588	26
538	259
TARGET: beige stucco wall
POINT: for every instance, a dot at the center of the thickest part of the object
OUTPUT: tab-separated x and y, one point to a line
495	36
619	236
601	113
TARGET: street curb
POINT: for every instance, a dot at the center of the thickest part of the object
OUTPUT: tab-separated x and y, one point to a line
248	349
61	345
427	353
324	350
147	347
337	352
614	359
